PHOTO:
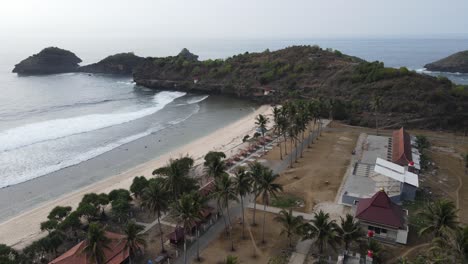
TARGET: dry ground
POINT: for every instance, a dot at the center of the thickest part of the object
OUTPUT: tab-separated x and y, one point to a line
317	176
153	244
275	246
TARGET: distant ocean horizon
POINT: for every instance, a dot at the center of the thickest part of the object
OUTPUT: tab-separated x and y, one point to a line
48	123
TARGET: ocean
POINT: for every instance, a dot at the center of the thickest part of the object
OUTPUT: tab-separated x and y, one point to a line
52	125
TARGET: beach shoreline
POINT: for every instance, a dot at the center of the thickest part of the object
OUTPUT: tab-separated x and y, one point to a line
23	229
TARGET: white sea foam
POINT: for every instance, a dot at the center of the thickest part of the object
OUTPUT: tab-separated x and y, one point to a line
59	128
196	99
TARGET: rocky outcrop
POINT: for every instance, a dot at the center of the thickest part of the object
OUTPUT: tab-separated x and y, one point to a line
457	62
49	61
122	63
303	72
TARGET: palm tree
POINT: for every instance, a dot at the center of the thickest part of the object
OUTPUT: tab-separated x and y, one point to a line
261	121
291	224
465	158
376	249
223	193
277	118
214	164
231	260
96	243
323	230
156	199
350	230
186	210
256	170
242	186
375	104
267	188
175	175
134	240
453	246
438	217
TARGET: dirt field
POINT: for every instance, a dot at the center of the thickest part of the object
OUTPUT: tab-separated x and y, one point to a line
218	250
318	175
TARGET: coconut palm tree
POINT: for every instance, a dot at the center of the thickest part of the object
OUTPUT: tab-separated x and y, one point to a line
291	225
156	199
452	247
175	175
266	189
214	164
376	104
134	240
96	243
225	192
278	119
438	217
261	121
255	172
186	210
350	230
242	187
376	249
323	230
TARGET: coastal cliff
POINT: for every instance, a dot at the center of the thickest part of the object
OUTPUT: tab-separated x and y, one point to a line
122	63
49	61
457	62
346	83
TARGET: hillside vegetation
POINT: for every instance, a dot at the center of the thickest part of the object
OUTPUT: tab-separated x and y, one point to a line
345	83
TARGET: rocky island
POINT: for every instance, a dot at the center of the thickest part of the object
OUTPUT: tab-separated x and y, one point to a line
345	84
457	62
122	63
49	61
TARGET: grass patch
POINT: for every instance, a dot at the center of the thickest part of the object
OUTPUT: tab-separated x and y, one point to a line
286	201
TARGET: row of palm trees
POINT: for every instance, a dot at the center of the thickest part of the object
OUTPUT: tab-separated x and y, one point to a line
293	121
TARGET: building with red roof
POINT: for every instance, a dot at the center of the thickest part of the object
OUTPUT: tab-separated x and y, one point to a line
115	253
386	219
401	147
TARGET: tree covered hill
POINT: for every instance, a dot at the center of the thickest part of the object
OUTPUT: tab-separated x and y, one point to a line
345	83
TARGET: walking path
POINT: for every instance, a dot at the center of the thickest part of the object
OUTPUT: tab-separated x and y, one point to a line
276	210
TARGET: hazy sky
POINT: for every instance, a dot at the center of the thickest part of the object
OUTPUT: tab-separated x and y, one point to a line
45	19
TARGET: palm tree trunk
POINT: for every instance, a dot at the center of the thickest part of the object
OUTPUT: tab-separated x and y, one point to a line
285	144
264	143
161	233
198	244
291	156
255	209
243	217
263	227
281	149
295	145
302	144
185	249
376	123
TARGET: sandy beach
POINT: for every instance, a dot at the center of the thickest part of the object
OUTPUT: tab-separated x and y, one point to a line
23	229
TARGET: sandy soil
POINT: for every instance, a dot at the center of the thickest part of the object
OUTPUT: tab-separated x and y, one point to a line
153	244
218	250
317	176
23	229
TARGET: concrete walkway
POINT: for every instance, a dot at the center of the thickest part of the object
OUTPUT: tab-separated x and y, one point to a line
302	249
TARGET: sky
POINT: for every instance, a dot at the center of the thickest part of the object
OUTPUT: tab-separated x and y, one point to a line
282	19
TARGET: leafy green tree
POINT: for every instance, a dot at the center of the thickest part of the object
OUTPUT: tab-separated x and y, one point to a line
138	185
225	192
134	239
49	225
176	178
266	189
422	142
438	218
377	250
59	213
8	255
291	225
71	222
323	230
96	243
231	260
350	230
156	199
120	202
242	187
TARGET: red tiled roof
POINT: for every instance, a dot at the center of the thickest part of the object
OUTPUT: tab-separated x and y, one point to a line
381	210
401	147
115	254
